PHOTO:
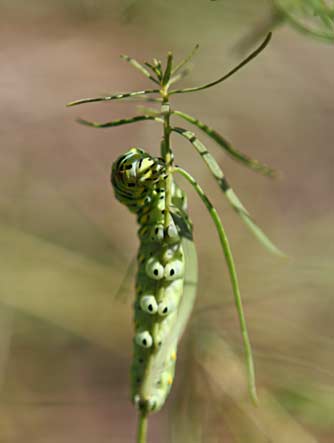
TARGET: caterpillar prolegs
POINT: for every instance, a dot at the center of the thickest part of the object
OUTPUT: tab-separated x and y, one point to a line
159	312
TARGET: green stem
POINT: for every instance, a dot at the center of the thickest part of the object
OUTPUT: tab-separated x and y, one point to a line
142	428
167	154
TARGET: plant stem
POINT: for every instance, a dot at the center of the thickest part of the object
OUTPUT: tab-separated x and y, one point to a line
166	152
142	428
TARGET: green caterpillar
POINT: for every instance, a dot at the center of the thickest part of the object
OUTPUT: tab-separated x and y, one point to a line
167	263
139	183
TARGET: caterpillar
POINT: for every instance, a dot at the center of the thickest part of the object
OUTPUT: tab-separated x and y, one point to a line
138	180
167	265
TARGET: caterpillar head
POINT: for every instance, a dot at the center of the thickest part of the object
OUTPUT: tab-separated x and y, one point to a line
133	175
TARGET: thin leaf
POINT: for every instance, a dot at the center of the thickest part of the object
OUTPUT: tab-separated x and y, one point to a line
230	73
233	276
185	60
178	77
156	68
228	191
223	143
113	97
168	70
139	67
121	122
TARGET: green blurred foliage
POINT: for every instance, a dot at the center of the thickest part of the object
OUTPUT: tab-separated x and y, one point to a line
65	243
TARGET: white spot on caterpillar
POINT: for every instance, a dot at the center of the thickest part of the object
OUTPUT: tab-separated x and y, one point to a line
152	403
157	233
167	306
136	400
154	269
132	171
144	339
171	299
171	251
164	308
172	231
148	304
174	270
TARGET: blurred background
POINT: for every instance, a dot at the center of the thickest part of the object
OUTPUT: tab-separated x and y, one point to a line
65	243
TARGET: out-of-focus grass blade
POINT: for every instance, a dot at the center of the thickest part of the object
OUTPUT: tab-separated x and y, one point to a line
221	372
60	286
311	17
315	404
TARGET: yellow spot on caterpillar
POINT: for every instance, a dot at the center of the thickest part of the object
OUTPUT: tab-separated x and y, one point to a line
146	165
143	219
143	230
170	380
173	356
141	202
141	258
147	175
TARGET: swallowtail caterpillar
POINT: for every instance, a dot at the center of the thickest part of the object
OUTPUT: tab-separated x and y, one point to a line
167	268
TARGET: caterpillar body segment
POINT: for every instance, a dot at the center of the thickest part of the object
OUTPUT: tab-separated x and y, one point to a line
159	312
163	364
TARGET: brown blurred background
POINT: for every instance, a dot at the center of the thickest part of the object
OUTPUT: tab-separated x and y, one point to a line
65	343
